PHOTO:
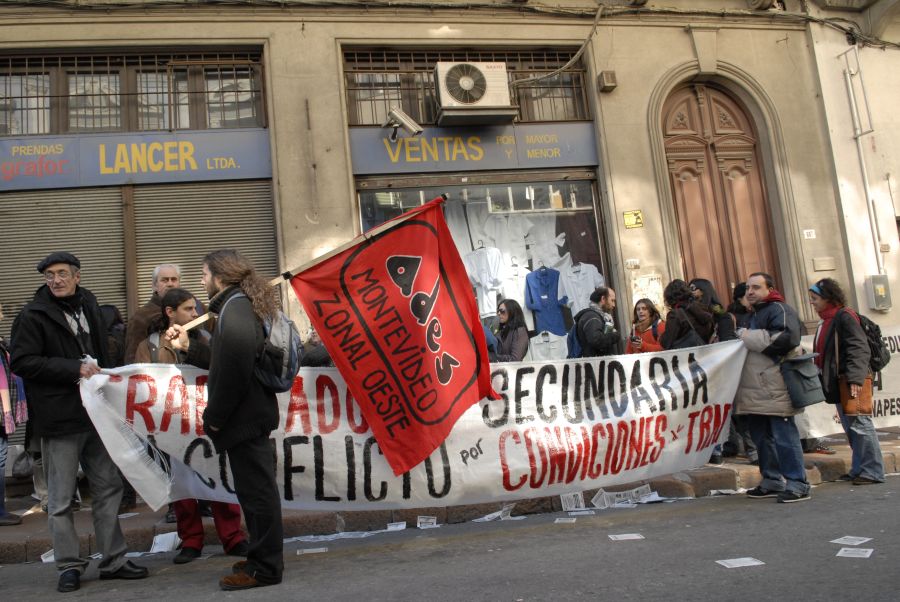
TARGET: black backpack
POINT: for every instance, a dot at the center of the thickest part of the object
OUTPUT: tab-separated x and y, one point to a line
880	354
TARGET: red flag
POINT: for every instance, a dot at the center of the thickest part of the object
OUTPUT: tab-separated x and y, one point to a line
397	313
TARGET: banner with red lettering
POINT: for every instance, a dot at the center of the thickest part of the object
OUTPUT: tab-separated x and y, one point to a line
557	427
397	314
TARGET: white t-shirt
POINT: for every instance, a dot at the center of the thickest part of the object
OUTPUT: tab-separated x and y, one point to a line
485	267
578	282
513	287
548	347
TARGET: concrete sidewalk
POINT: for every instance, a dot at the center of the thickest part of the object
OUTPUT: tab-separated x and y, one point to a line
26	542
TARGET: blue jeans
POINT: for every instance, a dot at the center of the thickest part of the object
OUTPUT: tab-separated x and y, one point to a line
777	441
867	460
4	444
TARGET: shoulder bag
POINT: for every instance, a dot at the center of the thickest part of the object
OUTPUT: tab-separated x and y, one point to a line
801	376
861	405
689	339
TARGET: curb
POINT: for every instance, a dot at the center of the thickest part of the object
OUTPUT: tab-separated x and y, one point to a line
26	542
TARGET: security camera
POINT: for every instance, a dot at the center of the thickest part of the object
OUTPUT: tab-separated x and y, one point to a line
398	119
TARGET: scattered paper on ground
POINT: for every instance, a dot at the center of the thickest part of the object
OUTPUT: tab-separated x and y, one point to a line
47	556
727	491
582	513
733	563
128	514
626	536
427	522
333	536
855	552
96	555
165	542
396	526
850	540
626	499
311	551
564	520
572	501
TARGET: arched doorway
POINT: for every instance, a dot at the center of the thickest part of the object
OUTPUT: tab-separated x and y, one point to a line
723	216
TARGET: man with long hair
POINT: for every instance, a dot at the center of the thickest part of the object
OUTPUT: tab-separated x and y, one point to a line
240	412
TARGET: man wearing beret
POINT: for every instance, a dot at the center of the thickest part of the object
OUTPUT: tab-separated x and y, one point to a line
57	339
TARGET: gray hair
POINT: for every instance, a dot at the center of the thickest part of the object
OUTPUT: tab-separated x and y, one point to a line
158	268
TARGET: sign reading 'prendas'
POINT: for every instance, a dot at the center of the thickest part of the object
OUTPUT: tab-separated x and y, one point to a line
41	162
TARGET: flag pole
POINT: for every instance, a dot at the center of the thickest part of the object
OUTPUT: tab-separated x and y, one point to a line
326	256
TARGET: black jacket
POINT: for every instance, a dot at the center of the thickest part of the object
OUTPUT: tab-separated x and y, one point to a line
47	355
680	321
596	340
853	353
237	405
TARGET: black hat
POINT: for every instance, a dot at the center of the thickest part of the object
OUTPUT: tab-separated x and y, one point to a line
58	257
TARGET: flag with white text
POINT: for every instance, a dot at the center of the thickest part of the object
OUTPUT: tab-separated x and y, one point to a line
397	314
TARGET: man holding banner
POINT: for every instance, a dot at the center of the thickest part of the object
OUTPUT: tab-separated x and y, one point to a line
240	412
773	333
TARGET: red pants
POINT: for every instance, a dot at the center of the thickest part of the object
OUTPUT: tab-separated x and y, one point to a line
227	518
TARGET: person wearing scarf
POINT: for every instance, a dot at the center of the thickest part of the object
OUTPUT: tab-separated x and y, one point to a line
12	402
844	351
773	333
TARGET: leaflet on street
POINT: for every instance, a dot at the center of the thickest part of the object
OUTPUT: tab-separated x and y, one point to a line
855	552
850	540
626	536
733	563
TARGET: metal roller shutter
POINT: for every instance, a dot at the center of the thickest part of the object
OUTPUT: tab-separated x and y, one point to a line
86	222
180	223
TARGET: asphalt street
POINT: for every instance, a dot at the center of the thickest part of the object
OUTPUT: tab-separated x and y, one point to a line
539	559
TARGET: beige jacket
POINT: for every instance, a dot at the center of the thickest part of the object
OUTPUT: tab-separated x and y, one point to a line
762	389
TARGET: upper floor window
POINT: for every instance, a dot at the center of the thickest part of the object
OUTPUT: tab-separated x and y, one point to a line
378	79
133	92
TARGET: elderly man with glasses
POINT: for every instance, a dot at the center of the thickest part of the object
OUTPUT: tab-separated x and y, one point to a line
58	339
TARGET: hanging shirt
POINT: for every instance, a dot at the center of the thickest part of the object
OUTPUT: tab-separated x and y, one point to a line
548	347
508	233
485	266
542	297
513	287
578	282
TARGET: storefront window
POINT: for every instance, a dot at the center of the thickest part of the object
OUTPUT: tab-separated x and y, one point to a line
24	104
94	102
535	242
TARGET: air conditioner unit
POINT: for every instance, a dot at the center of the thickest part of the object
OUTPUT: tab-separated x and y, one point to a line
473	93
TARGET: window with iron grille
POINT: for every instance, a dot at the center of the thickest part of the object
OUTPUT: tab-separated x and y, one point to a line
130	92
378	79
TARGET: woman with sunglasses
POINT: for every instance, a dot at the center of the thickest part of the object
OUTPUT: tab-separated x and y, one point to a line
647	327
512	338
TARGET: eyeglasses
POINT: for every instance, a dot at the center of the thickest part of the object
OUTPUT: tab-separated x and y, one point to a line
62	275
501	312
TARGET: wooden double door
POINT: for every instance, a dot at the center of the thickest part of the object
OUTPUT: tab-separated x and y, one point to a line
723	216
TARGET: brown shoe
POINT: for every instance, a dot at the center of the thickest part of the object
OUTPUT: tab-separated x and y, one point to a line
238	581
239	566
861	480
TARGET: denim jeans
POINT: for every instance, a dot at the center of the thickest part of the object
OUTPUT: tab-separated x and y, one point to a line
867	460
61	458
4	445
780	453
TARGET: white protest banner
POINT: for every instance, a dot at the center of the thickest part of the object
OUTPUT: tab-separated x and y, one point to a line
559	427
821	419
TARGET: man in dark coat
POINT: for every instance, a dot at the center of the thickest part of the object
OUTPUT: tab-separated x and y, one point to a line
241	413
165	277
595	328
57	339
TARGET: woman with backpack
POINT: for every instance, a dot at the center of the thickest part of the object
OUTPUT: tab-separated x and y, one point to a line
688	323
179	307
844	355
647	327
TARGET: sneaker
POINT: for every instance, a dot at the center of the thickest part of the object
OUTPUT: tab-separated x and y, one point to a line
846	477
758	493
241	548
788	497
8	520
823	449
716	459
69	581
861	480
186	555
